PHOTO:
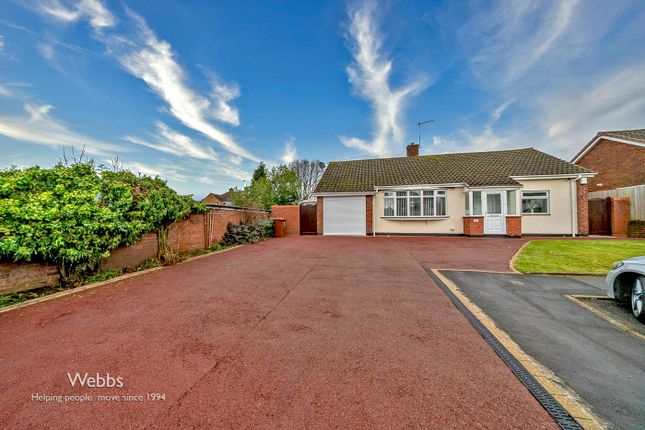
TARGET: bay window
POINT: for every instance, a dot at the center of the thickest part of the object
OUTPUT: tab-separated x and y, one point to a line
414	203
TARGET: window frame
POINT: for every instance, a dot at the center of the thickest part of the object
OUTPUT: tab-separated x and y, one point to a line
395	197
547	197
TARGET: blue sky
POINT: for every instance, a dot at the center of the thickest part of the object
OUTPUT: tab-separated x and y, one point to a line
199	92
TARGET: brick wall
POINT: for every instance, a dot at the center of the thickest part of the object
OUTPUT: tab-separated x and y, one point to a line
369	203
198	231
133	255
636	229
583	209
619	216
474	225
514	226
319	215
15	277
618	165
291	213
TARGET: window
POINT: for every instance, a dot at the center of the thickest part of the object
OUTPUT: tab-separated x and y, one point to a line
414	203
535	202
511	202
388	204
477	202
467	203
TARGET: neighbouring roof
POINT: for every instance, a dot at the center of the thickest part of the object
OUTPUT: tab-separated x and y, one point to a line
492	168
211	199
215	199
635	136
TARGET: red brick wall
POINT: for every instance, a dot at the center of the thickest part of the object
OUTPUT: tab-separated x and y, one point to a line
619	217
514	226
583	209
291	213
618	165
187	235
636	229
474	225
369	203
133	255
15	277
319	215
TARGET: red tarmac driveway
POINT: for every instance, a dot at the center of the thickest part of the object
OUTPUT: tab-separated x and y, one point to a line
310	332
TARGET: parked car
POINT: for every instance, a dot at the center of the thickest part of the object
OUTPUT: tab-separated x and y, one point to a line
626	282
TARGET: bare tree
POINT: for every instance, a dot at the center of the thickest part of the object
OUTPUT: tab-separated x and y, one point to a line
309	173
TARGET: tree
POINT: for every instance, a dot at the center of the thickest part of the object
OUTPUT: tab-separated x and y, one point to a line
279	186
309	173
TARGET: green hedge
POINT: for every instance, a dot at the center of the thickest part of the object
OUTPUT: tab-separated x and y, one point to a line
73	216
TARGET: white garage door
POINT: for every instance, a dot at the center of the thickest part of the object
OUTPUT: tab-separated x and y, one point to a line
344	215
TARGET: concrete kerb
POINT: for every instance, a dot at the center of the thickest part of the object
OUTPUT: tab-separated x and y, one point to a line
104	283
569	400
575	298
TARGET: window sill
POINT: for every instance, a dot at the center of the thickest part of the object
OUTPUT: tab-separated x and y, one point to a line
415	218
532	214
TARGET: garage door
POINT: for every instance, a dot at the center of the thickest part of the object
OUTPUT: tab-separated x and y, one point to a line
344	216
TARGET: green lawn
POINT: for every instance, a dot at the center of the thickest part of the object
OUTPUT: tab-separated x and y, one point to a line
576	256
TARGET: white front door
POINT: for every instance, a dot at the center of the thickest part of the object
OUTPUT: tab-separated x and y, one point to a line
494	220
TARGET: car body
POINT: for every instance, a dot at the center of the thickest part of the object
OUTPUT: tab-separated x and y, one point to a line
625	283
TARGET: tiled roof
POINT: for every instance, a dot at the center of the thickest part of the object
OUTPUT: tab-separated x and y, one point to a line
635	135
492	168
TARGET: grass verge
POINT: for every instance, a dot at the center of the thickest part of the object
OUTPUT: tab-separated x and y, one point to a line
593	257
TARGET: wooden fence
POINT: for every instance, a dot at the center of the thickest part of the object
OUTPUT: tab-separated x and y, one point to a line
635	194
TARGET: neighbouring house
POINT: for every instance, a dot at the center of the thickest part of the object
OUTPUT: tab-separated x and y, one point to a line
512	192
617	156
219	199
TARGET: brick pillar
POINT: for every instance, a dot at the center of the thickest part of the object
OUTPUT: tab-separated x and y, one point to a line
474	225
514	226
583	209
369	202
619	216
319	215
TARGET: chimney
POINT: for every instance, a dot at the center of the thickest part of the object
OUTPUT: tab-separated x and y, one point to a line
412	150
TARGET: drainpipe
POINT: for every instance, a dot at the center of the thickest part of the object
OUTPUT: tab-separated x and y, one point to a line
373	213
574	206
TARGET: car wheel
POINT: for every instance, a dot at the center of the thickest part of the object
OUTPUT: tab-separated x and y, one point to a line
638	299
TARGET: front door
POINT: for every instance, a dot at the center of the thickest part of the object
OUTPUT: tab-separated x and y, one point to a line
494	221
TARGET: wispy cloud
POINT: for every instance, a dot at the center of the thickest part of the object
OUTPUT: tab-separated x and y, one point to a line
547	68
39	127
369	76
94	11
290	153
172	142
141	53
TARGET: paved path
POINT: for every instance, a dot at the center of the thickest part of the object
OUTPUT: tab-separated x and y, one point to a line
290	333
603	364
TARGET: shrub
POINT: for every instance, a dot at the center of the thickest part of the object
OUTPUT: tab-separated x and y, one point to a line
73	216
237	234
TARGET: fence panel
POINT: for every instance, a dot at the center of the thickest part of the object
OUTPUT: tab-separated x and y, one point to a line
636	195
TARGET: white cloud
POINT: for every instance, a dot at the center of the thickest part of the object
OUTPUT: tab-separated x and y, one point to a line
290	153
369	76
47	50
39	127
223	111
92	10
153	61
172	142
1	43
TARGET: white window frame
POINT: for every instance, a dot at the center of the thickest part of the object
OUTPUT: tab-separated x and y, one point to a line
392	194
547	197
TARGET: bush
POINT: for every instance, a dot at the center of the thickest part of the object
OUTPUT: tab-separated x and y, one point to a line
237	234
73	216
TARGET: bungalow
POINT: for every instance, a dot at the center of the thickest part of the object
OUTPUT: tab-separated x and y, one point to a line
511	192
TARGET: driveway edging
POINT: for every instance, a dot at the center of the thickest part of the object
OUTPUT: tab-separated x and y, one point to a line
567	398
103	283
575	298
